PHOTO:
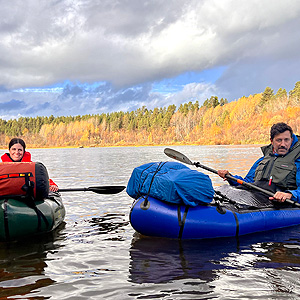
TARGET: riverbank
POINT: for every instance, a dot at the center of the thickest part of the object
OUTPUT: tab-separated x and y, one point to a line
29	146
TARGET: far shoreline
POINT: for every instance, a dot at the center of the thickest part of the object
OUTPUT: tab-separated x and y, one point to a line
127	146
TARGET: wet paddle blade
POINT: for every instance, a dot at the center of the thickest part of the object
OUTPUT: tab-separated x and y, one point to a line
177	155
109	189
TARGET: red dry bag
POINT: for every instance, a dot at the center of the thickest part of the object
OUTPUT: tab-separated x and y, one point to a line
24	179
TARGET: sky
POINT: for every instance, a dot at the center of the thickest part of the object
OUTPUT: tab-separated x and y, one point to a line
77	57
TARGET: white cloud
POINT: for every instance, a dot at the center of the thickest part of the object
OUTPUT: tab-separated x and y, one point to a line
132	43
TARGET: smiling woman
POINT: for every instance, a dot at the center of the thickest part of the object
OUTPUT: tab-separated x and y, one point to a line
17	153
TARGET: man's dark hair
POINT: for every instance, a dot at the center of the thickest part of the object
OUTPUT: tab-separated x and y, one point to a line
280	128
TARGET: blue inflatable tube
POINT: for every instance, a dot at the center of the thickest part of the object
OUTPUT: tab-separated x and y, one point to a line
152	217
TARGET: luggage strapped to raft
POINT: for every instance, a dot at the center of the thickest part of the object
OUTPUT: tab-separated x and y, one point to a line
12	179
170	182
173	183
160	165
27	182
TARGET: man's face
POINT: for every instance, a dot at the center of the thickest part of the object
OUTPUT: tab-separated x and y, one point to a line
282	143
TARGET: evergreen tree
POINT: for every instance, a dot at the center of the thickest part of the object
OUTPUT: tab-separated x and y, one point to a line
223	101
295	93
267	95
211	102
281	93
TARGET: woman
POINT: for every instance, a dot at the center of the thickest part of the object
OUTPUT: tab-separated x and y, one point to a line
17	153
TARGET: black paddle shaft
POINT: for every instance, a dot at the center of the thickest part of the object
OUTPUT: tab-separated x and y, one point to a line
247	184
228	176
198	165
181	157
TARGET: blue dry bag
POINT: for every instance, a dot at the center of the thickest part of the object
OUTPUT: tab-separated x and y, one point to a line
172	182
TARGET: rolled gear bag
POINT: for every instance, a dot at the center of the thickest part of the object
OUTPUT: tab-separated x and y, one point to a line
24	179
171	182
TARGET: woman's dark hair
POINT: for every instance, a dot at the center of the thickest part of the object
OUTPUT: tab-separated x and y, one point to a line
17	141
280	128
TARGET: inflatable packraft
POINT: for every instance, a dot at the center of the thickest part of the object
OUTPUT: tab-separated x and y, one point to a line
231	211
26	208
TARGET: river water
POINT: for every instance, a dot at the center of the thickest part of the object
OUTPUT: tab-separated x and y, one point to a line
96	254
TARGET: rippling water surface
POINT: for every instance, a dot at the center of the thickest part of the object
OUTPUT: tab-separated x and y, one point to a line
97	255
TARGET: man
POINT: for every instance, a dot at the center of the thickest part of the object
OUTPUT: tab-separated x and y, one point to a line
279	169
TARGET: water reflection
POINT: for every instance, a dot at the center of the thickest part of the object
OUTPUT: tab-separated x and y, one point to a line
280	255
23	264
165	260
162	260
96	256
109	223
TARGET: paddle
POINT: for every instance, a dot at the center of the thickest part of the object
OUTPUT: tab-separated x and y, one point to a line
181	157
108	189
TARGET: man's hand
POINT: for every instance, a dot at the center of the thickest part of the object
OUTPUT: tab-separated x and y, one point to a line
281	196
223	173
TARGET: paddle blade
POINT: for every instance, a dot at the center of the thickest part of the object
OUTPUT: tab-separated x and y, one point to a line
177	155
110	189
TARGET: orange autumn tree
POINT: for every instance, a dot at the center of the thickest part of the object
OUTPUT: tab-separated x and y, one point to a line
244	121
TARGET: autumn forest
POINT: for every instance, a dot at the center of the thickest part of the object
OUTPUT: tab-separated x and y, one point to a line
244	121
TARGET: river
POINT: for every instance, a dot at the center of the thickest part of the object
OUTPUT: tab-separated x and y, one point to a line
96	254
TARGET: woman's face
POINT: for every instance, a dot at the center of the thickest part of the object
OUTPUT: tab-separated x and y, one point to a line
16	152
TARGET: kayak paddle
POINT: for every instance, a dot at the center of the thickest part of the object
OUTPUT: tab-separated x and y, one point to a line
108	189
181	157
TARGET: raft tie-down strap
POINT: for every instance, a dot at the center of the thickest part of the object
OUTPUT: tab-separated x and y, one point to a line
181	222
237	225
6	220
40	216
219	197
28	188
160	165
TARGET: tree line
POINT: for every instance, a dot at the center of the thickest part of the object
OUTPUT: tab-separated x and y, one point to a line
244	121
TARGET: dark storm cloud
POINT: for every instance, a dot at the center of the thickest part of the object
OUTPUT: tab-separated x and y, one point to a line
128	45
132	42
12	105
72	90
35	109
274	62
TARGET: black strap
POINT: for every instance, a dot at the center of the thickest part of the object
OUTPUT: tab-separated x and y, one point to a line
29	200
6	220
181	222
237	224
220	196
29	188
160	165
142	183
40	216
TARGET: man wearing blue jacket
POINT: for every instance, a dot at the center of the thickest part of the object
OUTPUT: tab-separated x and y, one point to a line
279	169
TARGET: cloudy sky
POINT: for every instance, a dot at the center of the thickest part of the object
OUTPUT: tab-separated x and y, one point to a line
75	57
